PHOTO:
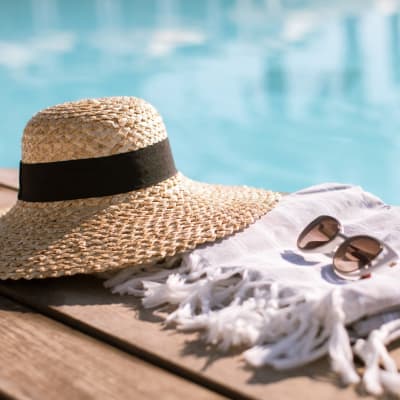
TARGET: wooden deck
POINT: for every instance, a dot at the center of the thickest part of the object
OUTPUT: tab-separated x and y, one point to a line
70	338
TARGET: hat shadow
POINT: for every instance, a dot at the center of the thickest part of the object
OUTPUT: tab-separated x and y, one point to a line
55	295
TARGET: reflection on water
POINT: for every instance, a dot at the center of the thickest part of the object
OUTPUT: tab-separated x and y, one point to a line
271	93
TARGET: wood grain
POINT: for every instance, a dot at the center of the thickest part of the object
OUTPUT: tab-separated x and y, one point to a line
82	302
9	178
43	359
7	198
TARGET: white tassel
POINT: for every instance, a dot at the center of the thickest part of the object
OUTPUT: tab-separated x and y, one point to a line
131	280
374	353
339	344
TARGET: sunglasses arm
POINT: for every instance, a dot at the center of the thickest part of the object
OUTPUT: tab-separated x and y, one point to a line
387	256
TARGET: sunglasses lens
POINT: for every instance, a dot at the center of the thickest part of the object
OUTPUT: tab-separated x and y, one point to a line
318	233
356	253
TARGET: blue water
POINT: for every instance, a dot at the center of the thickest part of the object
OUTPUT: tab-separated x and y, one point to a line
277	94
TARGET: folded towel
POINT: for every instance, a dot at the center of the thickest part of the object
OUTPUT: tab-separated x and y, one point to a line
288	308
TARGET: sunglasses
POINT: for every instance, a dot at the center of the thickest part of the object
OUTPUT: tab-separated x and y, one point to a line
352	258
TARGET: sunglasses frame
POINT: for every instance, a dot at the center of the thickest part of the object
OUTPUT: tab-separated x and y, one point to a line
384	257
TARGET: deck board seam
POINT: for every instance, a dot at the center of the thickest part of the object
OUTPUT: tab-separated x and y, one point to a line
10	187
127	347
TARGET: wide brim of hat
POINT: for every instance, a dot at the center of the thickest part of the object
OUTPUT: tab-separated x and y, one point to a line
41	240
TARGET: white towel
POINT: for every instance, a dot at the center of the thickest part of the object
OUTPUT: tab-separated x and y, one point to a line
288	308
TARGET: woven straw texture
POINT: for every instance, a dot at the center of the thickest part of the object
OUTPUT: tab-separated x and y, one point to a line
39	240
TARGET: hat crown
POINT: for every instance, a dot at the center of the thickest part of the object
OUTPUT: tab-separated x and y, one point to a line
91	128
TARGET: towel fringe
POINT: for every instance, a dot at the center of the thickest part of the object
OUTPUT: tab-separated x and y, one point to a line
281	326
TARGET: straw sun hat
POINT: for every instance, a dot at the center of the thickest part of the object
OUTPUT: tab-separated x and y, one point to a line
99	191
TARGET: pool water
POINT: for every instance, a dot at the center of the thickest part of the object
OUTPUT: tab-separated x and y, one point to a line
275	94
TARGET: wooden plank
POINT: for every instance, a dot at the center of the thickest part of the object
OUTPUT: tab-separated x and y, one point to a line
83	302
43	359
9	177
7	198
8	188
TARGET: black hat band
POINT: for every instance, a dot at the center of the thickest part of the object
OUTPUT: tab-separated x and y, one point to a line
96	177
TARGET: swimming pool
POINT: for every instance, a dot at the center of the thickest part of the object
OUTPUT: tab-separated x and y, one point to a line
277	94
